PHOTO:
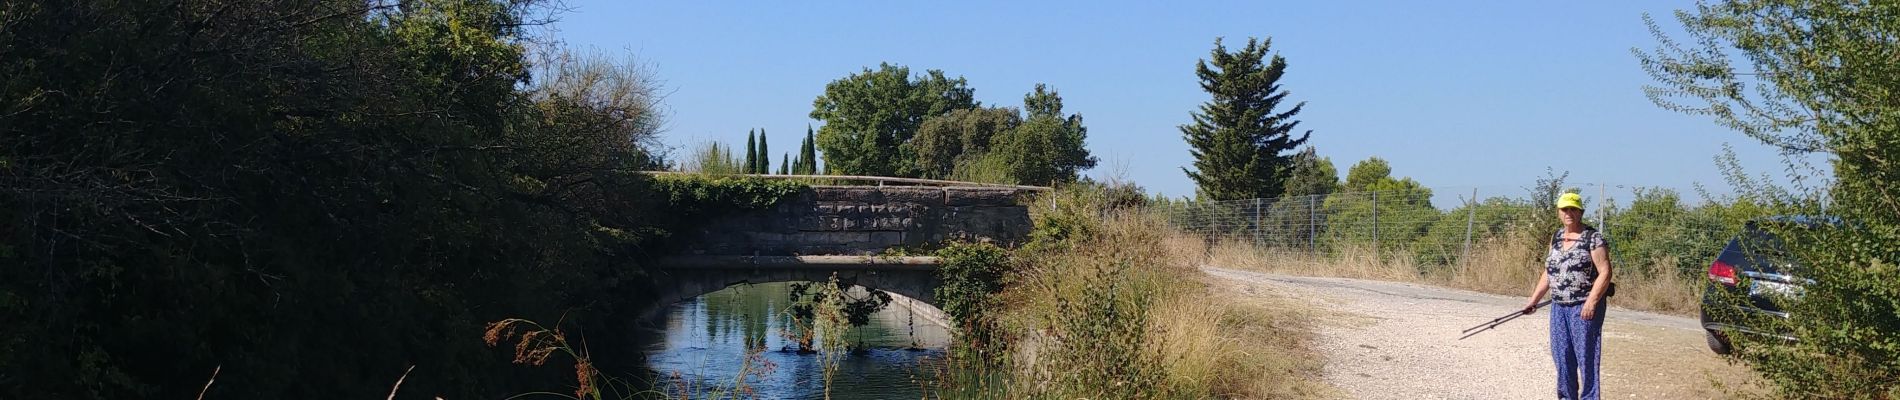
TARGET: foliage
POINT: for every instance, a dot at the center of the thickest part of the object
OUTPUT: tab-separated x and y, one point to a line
1102	349
870	117
764	156
1311	175
536	344
1810	76
1048	148
1074	212
1393	213
1238	137
988	169
1657	228
693	198
826	310
1087	295
1492	218
1000	145
969	276
959	137
807	163
751	153
311	194
714	159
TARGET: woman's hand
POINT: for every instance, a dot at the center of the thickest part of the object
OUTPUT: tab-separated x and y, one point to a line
1531	307
1589	309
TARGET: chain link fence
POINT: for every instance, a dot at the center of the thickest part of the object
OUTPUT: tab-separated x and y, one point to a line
1654	232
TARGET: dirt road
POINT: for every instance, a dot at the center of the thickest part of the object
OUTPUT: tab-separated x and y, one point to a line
1385	340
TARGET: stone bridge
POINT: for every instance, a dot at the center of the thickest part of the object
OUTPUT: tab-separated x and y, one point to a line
844	230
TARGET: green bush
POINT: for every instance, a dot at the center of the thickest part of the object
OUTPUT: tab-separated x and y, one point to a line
1846	323
969	276
1443	243
1812	78
697	196
1101	347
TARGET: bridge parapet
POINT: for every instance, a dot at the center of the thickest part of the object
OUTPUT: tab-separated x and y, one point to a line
856	220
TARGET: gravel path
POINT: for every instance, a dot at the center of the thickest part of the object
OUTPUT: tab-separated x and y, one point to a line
1385	340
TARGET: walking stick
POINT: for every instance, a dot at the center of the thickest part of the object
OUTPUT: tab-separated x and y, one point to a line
1499	321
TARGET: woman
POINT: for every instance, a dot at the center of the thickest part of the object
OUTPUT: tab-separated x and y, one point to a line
1576	275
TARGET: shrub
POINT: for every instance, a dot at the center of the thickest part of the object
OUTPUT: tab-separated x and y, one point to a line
969	276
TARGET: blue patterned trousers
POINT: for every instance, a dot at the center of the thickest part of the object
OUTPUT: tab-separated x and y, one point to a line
1576	345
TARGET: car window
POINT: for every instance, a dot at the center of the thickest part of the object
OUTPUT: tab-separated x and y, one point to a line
1765	251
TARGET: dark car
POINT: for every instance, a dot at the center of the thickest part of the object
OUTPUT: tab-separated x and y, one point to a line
1755	265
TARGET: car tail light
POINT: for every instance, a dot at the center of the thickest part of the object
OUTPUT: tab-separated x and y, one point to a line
1721	272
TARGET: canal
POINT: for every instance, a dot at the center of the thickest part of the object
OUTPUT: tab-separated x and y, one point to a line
709	344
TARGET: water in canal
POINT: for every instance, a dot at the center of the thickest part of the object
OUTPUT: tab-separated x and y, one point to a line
706	341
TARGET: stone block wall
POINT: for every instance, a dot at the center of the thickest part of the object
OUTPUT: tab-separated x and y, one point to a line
847	220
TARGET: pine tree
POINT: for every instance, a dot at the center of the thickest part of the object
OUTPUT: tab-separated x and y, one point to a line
1238	141
751	153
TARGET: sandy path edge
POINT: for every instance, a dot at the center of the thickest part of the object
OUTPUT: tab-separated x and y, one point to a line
1389	340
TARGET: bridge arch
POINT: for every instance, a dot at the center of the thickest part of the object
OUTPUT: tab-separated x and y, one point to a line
911	281
840	229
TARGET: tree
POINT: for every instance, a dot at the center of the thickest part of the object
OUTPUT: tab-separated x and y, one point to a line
1049	148
1376	208
273	177
870	117
1311	175
751	153
808	154
1808	77
999	144
957	137
1368	173
764	156
1237	137
785	164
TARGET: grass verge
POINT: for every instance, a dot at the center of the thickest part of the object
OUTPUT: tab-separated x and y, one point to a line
1503	265
1110	304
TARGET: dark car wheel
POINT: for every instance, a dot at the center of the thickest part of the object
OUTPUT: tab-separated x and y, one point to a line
1717	342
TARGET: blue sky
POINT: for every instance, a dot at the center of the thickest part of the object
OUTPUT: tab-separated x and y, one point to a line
1457	95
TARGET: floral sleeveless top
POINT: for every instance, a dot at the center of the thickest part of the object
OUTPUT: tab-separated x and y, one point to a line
1573	272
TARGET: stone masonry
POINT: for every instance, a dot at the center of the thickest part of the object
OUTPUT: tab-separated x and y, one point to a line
854	220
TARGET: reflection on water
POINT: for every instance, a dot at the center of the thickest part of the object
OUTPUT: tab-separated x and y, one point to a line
706	340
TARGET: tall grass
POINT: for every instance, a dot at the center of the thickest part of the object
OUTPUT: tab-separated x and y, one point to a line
713	158
537	345
1109	303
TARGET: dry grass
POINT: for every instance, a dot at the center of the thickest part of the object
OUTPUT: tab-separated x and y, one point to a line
1204	345
1659	290
1272	353
1502	265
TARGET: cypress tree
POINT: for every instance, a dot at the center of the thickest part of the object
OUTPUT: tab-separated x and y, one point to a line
751	153
1238	140
785	164
764	156
808	154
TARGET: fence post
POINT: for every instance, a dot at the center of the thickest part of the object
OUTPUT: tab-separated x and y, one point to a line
1603	211
1375	226
1257	240
1312	225
1470	218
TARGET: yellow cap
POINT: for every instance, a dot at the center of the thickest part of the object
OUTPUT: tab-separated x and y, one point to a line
1570	200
